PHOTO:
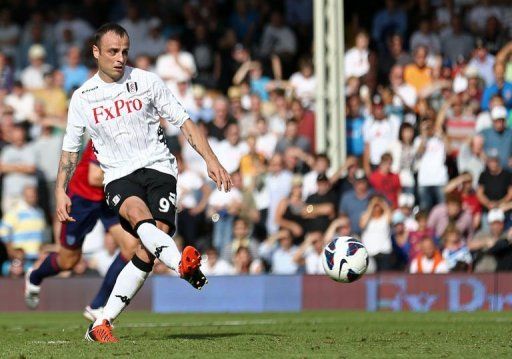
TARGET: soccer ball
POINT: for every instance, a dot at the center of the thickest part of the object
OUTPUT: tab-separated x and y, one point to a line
345	259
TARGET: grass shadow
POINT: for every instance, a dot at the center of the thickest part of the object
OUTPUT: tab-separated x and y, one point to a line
211	336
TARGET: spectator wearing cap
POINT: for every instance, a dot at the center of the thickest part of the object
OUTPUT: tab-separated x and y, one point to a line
455	42
494	184
356	58
175	64
379	132
430	160
402	152
375	224
75	73
405	206
32	76
385	182
499	86
429	259
22	102
483	62
498	139
319	207
491	249
354	202
484	119
451	212
419	74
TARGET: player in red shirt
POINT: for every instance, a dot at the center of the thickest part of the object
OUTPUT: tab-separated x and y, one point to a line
385	182
88	206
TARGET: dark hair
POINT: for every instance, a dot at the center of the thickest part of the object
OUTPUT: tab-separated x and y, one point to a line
324	156
403	126
109	27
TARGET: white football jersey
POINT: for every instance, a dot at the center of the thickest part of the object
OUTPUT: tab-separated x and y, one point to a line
123	120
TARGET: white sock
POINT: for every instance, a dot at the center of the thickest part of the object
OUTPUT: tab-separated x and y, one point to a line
160	244
128	283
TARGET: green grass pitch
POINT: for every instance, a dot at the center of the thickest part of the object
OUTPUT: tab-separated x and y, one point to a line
324	334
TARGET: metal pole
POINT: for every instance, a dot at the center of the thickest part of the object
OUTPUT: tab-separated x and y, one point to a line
341	83
319	38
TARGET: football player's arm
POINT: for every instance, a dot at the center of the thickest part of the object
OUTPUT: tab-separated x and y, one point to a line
95	175
199	143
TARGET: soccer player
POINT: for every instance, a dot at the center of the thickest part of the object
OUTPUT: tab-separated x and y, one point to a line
87	207
120	107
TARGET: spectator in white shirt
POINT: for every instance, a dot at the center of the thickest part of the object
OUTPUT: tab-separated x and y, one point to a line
303	83
321	165
279	251
310	253
214	265
430	161
405	95
429	260
32	77
231	150
483	62
356	59
278	184
22	102
175	64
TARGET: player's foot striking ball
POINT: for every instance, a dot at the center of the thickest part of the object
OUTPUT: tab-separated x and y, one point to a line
121	108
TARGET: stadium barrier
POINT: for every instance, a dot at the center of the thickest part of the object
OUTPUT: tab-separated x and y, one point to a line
388	292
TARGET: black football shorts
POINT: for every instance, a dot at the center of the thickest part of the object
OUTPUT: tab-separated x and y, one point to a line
155	188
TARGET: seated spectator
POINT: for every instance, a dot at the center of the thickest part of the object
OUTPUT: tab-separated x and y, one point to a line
214	265
32	75
241	238
356	58
252	161
354	126
280	114
266	141
52	97
24	225
303	83
498	86
355	201
248	119
277	185
405	206
432	172
424	36
494	184
175	64
376	232
310	253
258	82
289	212
463	186
499	137
379	132
292	138
483	62
319	208
399	240
488	247
451	212
484	119
404	95
221	119
18	166
245	264
278	250
456	43
456	252
321	165
422	231
418	74
305	122
402	152
22	102
471	158
385	182
202	110
75	73
429	259
394	54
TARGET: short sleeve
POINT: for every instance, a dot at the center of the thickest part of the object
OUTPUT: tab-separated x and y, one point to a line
75	128
166	104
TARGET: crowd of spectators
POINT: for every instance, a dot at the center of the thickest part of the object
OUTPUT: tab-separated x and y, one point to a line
426	184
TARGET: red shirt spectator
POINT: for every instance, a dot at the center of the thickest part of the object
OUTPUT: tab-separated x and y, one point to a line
385	182
306	122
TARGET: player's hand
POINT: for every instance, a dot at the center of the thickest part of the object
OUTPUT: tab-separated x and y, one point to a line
220	176
63	207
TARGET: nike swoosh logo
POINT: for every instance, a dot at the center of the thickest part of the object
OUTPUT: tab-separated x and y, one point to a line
342	262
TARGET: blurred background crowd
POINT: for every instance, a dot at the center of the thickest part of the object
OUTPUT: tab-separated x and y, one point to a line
428	84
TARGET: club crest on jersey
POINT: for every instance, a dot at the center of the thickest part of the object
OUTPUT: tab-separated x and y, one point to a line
131	87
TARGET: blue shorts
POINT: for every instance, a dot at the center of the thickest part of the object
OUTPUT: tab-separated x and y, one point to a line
86	214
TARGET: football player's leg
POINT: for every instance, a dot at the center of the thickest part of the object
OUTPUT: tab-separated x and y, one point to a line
156	241
127	244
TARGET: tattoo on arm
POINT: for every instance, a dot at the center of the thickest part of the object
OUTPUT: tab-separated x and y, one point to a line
191	141
67	165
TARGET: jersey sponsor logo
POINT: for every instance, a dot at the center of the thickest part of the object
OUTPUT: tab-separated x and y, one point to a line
118	108
132	87
89	90
124	299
